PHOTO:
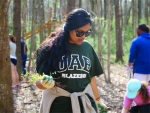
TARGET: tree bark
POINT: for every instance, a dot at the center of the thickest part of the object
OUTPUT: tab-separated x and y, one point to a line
70	5
146	11
6	96
139	11
42	20
134	17
24	13
80	3
119	49
32	35
17	32
109	29
99	37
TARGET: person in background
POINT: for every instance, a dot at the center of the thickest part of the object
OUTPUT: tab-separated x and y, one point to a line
139	93
70	65
23	55
139	57
13	58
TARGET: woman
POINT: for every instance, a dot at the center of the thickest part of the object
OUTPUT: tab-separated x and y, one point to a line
13	58
139	93
73	64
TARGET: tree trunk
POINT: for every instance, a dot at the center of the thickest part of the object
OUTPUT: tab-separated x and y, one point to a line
6	96
17	32
105	9
134	17
139	11
42	20
99	37
119	50
32	34
24	13
70	5
146	11
80	3
109	29
93	3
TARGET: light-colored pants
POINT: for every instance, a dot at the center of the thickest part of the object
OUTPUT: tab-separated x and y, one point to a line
142	77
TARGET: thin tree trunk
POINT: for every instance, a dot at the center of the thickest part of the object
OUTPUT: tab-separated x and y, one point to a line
17	32
80	3
105	9
146	11
99	37
134	16
119	49
6	96
24	13
42	20
93	3
32	35
70	5
109	29
139	10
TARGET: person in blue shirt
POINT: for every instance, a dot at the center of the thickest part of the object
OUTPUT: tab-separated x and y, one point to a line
139	56
23	55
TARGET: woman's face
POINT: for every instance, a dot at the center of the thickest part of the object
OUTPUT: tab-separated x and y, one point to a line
74	38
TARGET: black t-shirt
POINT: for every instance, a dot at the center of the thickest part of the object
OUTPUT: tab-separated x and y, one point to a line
82	65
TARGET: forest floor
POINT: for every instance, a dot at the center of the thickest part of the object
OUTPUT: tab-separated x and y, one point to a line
27	97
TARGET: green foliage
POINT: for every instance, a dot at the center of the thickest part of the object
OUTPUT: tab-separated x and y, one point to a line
35	77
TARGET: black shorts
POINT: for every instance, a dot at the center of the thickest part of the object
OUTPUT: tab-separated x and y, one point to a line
13	61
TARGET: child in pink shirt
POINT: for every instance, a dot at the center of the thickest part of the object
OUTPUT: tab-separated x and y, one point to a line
136	92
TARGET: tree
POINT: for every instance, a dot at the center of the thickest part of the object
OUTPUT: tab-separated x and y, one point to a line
134	16
32	33
80	3
139	10
17	32
109	29
119	49
146	11
70	5
24	13
6	96
42	19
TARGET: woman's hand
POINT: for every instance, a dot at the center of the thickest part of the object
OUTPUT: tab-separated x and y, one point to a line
47	81
102	107
125	109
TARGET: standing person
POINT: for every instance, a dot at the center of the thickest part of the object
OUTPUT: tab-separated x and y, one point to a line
139	93
13	58
73	64
23	55
139	55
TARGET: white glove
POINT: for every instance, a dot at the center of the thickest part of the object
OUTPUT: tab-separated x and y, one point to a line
129	70
47	81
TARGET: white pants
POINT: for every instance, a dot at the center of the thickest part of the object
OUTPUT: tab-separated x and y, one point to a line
142	77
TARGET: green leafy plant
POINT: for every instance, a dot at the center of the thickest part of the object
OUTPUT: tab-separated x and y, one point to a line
35	77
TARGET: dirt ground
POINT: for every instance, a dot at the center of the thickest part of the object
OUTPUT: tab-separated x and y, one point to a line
27	97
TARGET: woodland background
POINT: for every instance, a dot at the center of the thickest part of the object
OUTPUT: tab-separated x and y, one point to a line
115	23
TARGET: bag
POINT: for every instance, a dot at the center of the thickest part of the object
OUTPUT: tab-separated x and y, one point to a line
140	109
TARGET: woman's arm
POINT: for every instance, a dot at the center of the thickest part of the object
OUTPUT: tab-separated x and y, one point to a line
39	85
94	88
125	109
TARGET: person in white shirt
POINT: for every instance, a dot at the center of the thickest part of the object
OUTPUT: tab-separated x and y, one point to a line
13	58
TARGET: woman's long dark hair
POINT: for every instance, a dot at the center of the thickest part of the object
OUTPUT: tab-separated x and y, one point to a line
144	92
56	45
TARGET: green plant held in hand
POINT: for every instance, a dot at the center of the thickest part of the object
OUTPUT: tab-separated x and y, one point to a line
35	77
